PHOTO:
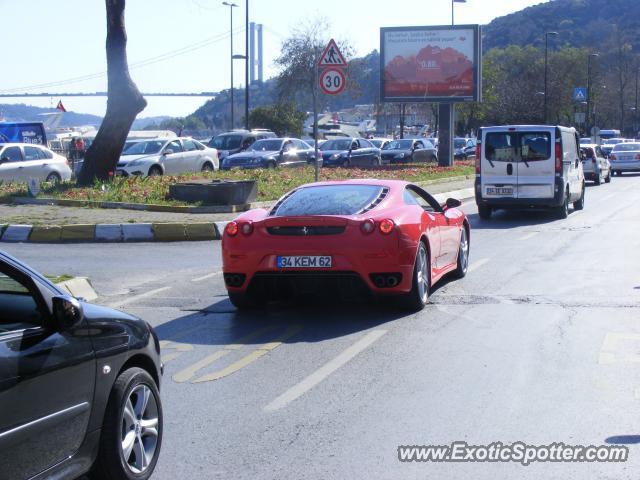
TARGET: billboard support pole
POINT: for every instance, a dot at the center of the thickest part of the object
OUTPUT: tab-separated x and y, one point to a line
445	134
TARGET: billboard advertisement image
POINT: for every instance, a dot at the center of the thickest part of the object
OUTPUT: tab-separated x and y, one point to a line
430	64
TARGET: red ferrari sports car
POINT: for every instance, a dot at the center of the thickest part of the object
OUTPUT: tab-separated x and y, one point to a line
343	238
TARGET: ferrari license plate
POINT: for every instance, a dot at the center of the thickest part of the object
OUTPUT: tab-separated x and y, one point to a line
500	191
304	261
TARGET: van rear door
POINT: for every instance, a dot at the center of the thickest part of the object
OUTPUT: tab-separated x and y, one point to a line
498	161
536	163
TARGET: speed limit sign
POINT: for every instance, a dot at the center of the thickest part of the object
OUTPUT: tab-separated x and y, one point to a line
332	81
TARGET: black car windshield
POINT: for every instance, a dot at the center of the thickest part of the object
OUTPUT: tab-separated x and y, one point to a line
267	146
627	147
226	142
399	145
329	200
336	145
145	148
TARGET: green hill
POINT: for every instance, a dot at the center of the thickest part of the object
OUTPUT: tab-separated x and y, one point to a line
579	23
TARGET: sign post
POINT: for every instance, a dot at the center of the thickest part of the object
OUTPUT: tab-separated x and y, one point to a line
331	80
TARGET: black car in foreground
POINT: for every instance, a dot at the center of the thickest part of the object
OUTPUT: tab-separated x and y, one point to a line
78	384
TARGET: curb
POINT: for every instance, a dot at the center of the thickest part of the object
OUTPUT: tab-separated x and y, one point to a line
112	233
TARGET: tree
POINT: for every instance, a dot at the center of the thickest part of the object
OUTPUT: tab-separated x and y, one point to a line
281	118
124	102
297	61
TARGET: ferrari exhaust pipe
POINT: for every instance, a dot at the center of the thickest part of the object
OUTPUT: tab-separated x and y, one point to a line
392	281
379	281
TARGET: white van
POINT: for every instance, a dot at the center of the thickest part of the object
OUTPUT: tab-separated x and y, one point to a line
528	166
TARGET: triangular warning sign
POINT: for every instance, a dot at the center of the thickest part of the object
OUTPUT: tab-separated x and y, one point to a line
331	56
580	95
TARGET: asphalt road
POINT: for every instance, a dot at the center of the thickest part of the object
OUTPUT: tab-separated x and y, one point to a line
540	343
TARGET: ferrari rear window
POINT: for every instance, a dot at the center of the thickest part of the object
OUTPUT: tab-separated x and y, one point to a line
329	200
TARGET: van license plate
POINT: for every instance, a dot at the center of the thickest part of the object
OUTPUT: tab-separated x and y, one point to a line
500	191
304	261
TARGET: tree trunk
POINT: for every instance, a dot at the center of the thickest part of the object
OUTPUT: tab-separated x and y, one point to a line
124	102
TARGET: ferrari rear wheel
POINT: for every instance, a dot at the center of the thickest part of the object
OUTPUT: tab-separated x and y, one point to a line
418	297
463	255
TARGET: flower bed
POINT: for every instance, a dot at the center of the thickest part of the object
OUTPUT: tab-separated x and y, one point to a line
272	183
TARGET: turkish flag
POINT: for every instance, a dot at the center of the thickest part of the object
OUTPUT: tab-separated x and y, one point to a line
60	106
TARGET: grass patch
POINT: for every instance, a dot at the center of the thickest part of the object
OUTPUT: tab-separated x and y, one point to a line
59	278
272	183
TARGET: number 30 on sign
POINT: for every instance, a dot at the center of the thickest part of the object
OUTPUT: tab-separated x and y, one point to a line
332	81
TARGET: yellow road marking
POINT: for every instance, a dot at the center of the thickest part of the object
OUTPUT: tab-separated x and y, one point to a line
250	358
179	347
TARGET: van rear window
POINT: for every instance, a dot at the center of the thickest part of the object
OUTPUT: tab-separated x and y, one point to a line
513	147
499	147
535	146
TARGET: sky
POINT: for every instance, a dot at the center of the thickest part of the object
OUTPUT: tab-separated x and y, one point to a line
183	45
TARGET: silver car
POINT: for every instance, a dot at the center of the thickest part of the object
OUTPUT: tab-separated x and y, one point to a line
625	157
19	162
595	165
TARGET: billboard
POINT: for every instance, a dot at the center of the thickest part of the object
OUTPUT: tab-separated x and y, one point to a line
23	132
430	64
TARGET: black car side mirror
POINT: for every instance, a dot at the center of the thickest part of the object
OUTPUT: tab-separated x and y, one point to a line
4	159
453	203
67	313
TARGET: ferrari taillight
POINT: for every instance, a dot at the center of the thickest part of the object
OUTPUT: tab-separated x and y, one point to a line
231	229
386	226
368	226
246	228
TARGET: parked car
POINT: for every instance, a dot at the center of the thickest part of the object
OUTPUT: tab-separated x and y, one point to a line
595	165
237	141
79	384
21	161
625	157
529	166
380	142
272	153
464	148
345	238
167	156
409	151
350	151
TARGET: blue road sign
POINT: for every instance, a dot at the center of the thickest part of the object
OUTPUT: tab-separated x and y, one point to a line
579	94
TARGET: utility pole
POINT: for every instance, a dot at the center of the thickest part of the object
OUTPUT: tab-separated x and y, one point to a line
246	67
231	7
592	55
546	49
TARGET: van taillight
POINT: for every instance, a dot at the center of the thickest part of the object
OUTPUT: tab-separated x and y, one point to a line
558	157
478	149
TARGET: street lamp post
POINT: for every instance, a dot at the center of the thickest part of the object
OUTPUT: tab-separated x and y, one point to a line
246	66
546	49
592	55
635	110
231	7
452	2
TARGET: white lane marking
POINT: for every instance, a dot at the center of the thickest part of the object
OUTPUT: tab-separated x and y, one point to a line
206	277
135	298
323	372
477	264
529	235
